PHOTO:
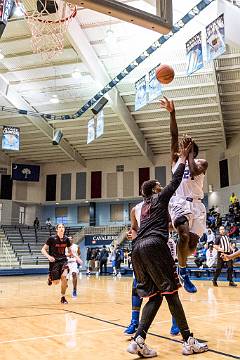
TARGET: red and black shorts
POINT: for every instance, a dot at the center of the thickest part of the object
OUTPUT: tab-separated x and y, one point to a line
154	267
56	268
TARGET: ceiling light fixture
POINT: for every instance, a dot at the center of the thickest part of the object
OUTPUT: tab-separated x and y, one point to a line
76	74
54	99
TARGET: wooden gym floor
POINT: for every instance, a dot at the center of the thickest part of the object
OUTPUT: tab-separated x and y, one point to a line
35	326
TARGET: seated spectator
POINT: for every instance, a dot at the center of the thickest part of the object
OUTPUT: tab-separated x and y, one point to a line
234	231
210	237
211	256
36	223
203	238
233	198
48	223
201	255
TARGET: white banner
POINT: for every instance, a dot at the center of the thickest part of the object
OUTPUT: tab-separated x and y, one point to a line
100	124
91	131
215	34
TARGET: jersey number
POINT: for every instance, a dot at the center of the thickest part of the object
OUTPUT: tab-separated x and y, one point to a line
186	174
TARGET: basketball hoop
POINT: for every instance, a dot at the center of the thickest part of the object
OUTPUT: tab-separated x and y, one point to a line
48	21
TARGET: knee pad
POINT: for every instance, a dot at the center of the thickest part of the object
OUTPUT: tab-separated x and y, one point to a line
181	220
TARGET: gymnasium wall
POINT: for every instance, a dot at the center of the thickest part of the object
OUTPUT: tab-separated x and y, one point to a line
220	196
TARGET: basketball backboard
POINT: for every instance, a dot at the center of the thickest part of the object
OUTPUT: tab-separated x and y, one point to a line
161	22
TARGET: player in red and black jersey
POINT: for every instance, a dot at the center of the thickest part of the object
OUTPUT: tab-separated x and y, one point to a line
54	250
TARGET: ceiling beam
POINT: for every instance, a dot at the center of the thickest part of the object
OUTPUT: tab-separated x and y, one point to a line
18	102
97	70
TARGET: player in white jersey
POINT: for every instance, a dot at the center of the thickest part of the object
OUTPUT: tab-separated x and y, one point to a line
73	261
188	214
136	300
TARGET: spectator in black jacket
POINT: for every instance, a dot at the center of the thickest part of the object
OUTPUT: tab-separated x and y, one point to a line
103	257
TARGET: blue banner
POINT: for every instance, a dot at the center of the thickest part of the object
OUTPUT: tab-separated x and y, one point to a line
194	54
23	172
154	86
10	138
99	239
141	93
215	38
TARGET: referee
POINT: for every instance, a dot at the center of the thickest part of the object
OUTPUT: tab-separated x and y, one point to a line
223	246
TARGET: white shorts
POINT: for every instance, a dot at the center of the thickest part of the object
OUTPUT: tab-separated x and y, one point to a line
194	211
73	268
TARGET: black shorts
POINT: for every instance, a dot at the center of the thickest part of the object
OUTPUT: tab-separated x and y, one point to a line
56	268
154	267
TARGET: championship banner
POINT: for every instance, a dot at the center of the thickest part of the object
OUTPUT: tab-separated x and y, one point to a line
100	124
99	239
215	34
154	86
10	138
141	93
91	131
25	172
194	54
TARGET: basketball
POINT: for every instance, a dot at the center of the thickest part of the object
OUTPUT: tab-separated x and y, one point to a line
164	74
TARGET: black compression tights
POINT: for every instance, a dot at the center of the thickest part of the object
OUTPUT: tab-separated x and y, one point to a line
151	308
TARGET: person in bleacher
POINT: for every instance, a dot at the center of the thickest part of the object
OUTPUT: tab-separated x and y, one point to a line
36	224
223	246
211	256
233	198
210	237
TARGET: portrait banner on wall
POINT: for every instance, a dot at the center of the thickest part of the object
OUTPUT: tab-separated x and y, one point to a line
154	86
215	38
141	93
194	53
10	138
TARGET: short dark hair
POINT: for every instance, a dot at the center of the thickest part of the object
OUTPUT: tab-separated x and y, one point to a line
59	225
195	149
147	187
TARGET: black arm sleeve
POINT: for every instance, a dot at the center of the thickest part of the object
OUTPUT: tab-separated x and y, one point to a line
170	189
217	240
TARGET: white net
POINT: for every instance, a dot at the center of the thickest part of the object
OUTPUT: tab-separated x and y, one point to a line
48	21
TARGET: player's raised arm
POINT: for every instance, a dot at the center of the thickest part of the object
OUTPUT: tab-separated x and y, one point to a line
134	224
169	106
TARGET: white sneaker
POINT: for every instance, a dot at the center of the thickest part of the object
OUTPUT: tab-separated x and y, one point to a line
139	347
193	346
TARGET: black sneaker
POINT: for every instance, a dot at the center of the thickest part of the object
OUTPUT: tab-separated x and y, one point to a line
49	282
214	283
63	300
231	283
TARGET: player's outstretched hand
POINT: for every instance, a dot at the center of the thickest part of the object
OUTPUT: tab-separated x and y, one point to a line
167	104
185	146
225	257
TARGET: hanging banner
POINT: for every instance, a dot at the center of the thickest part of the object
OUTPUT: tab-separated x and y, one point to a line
91	131
215	37
25	172
154	86
10	138
100	124
194	54
141	93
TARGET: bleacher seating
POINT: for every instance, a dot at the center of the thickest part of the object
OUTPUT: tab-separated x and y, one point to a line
27	243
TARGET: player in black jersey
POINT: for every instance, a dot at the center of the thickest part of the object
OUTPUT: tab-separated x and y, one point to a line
154	266
54	250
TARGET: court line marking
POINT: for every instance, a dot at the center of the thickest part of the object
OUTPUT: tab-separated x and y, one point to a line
153	334
57	335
